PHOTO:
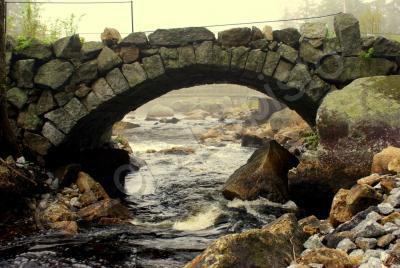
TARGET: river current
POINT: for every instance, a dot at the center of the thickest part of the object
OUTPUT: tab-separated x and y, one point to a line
176	201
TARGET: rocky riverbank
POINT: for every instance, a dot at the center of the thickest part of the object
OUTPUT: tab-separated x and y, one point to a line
362	230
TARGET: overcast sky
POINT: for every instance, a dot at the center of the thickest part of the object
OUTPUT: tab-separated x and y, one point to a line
154	14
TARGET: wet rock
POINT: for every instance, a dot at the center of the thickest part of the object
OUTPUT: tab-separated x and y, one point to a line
24	73
138	39
310	225
68	47
37	51
180	36
330	258
360	197
110	37
67	174
340	212
263	175
90	50
388	184
381	160
107	60
57	212
54	74
17	97
66	227
235	37
347	29
289	36
108	208
87	184
271	246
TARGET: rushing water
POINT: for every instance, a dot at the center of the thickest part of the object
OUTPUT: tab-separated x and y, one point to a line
176	202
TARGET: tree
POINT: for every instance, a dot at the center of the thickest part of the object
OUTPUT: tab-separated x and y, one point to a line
371	20
8	142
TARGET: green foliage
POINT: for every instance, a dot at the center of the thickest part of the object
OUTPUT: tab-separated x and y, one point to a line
23	42
368	54
311	140
32	26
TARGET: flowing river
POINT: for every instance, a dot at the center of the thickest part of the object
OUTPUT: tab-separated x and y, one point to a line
176	201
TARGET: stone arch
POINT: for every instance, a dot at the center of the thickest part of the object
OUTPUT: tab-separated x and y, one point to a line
65	97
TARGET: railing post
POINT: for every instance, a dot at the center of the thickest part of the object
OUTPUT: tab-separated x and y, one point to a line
5	18
132	16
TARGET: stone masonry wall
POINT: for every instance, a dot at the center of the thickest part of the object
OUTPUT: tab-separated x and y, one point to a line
68	94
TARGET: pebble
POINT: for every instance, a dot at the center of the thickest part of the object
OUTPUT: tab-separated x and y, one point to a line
385	240
313	242
356	253
385	208
390	227
55	184
394	197
372	253
373	216
346	245
366	243
369	229
372	263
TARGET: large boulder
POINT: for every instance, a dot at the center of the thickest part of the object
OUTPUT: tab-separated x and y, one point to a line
275	245
265	174
360	120
54	74
180	36
347	29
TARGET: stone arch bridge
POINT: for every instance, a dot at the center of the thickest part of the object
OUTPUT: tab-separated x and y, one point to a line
67	95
